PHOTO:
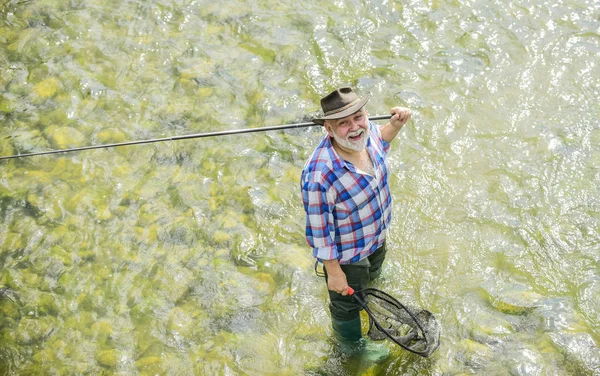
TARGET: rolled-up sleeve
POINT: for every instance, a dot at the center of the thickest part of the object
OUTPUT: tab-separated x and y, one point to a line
320	231
385	146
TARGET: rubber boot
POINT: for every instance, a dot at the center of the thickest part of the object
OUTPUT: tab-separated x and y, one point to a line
347	331
351	344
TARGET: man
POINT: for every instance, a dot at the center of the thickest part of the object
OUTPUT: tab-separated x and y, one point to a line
348	203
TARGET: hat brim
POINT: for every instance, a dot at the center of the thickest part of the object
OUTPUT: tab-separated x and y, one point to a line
347	112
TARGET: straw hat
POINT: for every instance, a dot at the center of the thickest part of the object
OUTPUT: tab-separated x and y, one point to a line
340	103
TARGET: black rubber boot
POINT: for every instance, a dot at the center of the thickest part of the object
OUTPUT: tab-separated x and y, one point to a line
351	344
348	335
348	331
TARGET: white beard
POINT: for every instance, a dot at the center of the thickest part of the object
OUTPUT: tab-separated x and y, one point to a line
356	145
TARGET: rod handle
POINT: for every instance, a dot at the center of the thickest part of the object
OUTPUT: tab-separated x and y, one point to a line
350	291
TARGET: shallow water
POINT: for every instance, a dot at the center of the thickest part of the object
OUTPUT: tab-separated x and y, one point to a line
189	257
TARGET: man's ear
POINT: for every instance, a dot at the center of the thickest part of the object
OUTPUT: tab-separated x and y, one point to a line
328	128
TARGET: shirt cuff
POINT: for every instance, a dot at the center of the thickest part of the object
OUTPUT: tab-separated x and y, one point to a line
326	253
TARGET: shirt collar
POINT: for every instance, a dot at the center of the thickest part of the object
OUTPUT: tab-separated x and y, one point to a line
336	160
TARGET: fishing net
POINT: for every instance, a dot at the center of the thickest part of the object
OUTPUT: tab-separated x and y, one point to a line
415	330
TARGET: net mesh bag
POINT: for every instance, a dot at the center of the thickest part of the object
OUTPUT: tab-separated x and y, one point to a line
413	329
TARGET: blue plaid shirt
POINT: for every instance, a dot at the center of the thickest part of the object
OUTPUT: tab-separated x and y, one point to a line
347	212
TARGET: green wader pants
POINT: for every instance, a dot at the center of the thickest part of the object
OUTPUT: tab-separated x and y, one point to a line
345	310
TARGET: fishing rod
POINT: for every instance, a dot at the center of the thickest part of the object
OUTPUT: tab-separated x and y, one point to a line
183	137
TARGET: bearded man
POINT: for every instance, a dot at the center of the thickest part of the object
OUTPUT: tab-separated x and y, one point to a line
348	205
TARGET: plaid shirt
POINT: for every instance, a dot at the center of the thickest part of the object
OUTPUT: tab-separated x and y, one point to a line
347	212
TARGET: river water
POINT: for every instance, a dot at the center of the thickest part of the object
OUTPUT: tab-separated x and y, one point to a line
189	257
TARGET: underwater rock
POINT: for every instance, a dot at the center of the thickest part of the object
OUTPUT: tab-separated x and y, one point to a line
34	330
58	116
28	141
44	356
512	299
579	349
62	137
12	242
102	327
111	135
527	362
150	365
221	237
30	278
80	322
103	273
60	254
180	320
6	148
173	283
516	302
86	254
475	354
47	88
245	320
101	330
46	304
244	251
108	358
95	302
9	303
7	106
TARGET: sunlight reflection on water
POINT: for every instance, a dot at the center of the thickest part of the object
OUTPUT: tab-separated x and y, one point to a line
190	256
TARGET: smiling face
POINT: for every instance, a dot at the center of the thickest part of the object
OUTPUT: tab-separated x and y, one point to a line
350	133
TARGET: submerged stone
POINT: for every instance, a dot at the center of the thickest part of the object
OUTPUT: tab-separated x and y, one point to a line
244	251
46	304
45	356
9	308
30	278
173	282
28	141
516	302
7	105
102	329
221	237
579	348
33	330
108	358
61	255
180	320
62	137
58	116
47	88
488	328
150	365
6	148
477	354
111	135
12	242
512	300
